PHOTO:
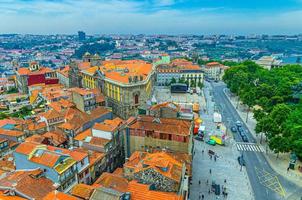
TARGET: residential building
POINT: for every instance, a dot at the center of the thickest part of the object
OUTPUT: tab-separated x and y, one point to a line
13	135
269	62
62	75
150	133
164	172
214	71
180	70
59	167
84	99
34	75
107	138
28	184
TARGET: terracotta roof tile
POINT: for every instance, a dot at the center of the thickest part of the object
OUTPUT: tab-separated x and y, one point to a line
165	125
13	133
26	148
112	181
82	136
142	192
56	195
82	191
30	183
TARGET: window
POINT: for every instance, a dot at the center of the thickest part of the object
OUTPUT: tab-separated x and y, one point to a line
136	99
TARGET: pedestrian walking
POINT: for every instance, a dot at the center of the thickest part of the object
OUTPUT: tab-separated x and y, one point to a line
287	169
224	180
210	171
211	157
207	182
202	197
209	191
215	158
199	182
202	152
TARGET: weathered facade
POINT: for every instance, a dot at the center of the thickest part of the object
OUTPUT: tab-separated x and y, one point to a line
147	133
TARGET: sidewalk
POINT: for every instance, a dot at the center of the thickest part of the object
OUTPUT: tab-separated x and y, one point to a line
226	166
280	164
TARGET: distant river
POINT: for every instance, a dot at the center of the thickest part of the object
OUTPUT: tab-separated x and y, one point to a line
291	59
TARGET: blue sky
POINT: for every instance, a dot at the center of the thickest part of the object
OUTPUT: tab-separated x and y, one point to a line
151	16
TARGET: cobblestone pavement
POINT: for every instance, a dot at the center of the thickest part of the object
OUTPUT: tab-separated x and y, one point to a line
226	167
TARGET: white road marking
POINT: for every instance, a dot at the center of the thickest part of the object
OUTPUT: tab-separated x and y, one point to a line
249	147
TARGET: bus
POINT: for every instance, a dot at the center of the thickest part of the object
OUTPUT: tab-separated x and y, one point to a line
179	88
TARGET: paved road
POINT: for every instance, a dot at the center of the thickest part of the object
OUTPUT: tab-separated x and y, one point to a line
253	159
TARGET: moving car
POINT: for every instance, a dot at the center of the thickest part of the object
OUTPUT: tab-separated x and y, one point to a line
238	123
233	129
245	138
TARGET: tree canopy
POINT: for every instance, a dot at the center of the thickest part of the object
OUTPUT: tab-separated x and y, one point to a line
280	113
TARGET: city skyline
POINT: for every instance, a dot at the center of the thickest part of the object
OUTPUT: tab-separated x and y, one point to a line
151	17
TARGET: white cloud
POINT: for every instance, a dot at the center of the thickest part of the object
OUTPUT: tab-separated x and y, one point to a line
119	16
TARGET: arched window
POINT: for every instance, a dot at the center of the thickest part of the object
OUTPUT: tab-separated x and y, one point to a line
136	99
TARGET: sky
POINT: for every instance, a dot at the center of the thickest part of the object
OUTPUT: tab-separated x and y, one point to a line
151	16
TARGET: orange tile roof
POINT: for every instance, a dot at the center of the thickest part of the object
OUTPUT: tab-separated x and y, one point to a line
6	197
142	161
30	183
171	105
82	191
84	65
57	137
82	136
51	114
36	126
23	71
93	156
35	139
56	195
121	70
12	133
96	141
109	125
76	155
82	91
166	125
26	148
46	158
7	121
118	171
142	192
90	70
112	181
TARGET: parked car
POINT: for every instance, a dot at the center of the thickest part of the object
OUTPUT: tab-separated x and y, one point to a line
199	137
238	123
241	160
245	138
233	129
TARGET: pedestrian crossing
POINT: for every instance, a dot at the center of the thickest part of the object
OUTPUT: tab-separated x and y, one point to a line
249	147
